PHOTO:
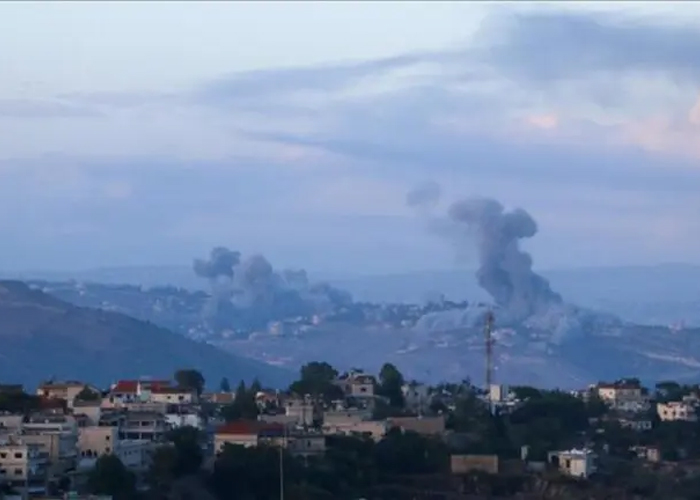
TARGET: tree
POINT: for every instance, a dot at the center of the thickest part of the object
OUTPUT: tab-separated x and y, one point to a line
111	477
182	456
225	386
87	394
191	380
244	405
318	379
391	382
255	387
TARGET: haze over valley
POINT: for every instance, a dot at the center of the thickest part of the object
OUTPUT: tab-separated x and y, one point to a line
320	199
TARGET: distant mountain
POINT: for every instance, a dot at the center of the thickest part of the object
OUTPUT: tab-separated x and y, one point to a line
42	336
661	294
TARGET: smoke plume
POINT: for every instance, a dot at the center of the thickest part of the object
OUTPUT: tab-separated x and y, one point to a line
505	270
221	263
248	292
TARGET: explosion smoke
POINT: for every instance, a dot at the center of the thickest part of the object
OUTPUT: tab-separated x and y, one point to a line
249	292
221	263
505	270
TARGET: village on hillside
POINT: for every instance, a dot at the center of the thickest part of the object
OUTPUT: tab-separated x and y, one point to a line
331	435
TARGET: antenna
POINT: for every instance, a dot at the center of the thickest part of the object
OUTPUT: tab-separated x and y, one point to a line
488	341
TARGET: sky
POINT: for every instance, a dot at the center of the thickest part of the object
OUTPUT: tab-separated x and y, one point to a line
137	133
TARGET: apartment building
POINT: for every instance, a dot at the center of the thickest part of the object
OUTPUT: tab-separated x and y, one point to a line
676	410
623	395
248	433
143	425
133	391
254	433
67	390
357	384
96	441
23	466
302	411
172	395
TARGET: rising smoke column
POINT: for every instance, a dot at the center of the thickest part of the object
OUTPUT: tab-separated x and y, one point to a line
505	270
221	263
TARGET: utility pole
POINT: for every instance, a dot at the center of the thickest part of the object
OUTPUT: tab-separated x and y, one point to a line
282	446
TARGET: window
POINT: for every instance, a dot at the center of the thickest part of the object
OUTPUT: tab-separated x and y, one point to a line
18	472
107	438
3	455
18	454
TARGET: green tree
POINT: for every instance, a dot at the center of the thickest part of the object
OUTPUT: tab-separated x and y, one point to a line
109	476
225	386
244	405
255	387
182	456
87	394
318	379
391	382
191	380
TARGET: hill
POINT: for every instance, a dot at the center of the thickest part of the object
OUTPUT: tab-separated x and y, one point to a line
42	336
660	294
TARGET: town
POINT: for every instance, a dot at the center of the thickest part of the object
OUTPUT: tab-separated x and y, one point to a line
346	435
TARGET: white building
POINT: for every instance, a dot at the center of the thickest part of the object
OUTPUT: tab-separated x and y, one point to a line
575	462
417	396
676	410
188	419
22	465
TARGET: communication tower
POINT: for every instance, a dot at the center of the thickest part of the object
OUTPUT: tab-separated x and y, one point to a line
488	340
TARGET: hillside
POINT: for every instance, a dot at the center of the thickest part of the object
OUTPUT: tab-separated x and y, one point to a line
661	294
42	336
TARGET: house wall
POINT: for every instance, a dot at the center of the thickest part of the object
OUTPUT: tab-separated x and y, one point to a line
463	464
97	441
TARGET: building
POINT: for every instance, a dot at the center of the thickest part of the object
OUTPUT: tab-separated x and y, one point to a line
133	391
249	433
427	426
67	390
255	433
56	435
146	425
623	395
23	466
635	421
464	464
676	410
302	411
186	418
357	384
172	395
346	416
96	441
417	397
373	429
574	463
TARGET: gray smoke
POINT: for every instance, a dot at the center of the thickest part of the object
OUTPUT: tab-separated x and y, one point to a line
221	263
258	293
256	281
505	270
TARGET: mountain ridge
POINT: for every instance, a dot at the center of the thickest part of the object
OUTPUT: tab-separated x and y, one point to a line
43	336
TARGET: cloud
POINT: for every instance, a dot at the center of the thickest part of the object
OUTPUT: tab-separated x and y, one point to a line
29	108
589	122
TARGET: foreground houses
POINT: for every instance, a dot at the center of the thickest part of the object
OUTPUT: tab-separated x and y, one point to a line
453	430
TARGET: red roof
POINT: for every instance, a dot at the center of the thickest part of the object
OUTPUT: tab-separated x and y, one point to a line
249	427
131	386
126	387
169	390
